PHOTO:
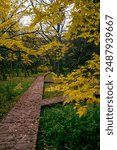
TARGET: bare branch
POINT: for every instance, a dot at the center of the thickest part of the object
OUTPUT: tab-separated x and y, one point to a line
44	32
24	33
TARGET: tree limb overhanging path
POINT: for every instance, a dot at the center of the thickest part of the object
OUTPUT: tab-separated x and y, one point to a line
18	130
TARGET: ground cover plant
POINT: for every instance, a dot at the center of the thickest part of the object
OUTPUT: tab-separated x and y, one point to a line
10	92
61	129
62	39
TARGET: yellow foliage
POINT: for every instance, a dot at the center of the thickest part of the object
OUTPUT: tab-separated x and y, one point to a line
82	111
11	11
52	12
54	49
85	21
81	86
18	87
1	58
12	57
43	68
84	18
26	60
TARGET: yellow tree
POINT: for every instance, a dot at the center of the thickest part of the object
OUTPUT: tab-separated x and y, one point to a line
82	18
12	30
11	13
49	21
57	20
82	85
85	21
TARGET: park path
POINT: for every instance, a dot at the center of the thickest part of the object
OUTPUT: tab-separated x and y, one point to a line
54	100
18	130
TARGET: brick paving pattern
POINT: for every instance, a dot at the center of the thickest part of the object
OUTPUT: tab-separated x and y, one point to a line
18	130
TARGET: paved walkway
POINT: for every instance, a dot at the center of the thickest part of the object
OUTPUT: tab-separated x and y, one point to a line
54	100
18	131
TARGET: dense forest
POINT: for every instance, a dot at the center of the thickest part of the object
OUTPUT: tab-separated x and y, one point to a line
61	37
57	36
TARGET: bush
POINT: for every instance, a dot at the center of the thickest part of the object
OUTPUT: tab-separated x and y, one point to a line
62	129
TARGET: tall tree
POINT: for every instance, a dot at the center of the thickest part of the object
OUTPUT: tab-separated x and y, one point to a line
11	31
82	85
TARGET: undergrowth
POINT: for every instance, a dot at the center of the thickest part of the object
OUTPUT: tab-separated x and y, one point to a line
10	92
61	129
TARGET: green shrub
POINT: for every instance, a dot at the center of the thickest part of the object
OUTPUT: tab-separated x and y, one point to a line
61	129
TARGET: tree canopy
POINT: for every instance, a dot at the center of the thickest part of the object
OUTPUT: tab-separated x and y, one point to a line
61	35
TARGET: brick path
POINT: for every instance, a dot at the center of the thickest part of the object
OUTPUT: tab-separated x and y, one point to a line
18	131
53	100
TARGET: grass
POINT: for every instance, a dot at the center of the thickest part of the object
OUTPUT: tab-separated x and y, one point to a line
61	129
10	92
13	88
